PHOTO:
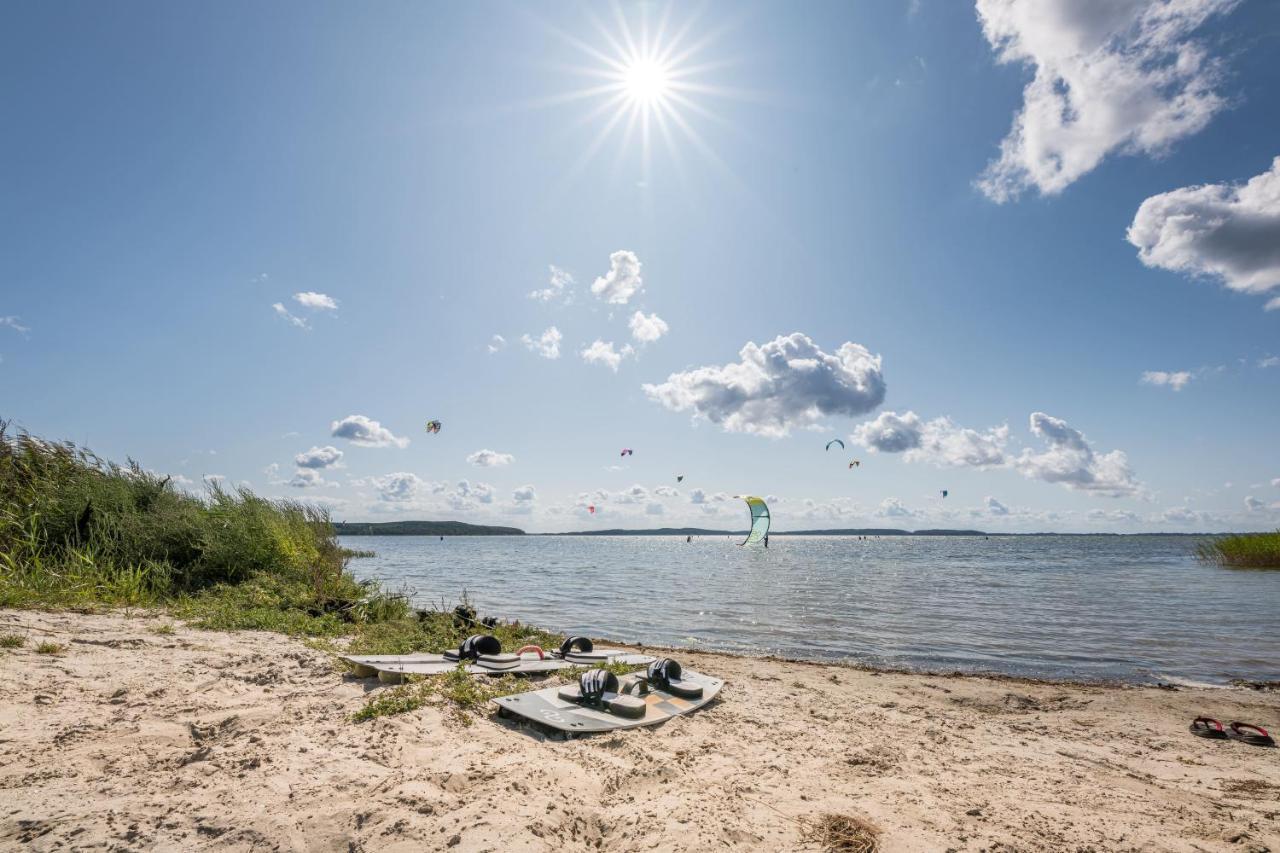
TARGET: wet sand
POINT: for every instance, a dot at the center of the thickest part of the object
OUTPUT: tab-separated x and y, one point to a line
203	740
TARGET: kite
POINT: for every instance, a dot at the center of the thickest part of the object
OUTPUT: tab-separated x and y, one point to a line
679	478
855	463
434	426
759	520
626	451
835	441
944	493
591	508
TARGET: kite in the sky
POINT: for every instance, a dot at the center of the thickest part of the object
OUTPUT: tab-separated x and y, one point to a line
759	520
679	478
591	508
944	493
434	426
835	441
626	451
855	463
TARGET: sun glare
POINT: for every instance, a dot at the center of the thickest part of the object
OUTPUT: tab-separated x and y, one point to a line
646	81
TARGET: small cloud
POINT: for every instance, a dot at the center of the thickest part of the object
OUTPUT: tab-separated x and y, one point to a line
1269	361
1175	380
365	432
546	345
559	285
603	353
490	458
647	329
291	319
12	323
994	507
315	301
1252	504
399	487
272	470
308	478
1071	460
497	343
894	508
524	494
318	457
622	281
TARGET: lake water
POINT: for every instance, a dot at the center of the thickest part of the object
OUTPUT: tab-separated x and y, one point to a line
1132	608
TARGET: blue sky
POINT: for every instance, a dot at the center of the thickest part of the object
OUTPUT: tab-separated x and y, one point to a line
1022	251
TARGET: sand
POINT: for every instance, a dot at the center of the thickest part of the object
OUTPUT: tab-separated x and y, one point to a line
133	740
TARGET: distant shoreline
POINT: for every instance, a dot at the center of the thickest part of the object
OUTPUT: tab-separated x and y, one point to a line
459	528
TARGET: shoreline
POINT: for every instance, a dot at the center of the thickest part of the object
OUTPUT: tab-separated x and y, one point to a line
138	737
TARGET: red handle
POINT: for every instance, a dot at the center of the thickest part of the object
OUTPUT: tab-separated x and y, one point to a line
541	654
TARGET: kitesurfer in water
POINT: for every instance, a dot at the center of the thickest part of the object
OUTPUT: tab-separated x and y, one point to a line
766	540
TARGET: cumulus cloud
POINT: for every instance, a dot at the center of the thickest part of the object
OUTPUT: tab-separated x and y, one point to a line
307	478
318	457
490	458
1185	515
994	507
291	319
399	487
365	432
497	343
1225	231
1176	380
1070	460
1113	515
940	441
697	496
315	301
787	383
1269	361
559	284
894	508
466	495
1252	504
622	281
654	508
601	352
667	492
647	329
1118	76
546	345
524	494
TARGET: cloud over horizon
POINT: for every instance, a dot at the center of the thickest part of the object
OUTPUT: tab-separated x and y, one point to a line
318	457
366	432
622	281
787	383
1071	461
490	458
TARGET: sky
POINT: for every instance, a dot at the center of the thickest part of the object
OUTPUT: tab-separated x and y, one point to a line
1024	251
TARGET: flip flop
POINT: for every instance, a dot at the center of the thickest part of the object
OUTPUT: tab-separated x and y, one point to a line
598	688
1256	736
664	674
1207	727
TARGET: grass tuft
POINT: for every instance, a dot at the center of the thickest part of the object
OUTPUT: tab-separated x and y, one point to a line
12	641
48	648
837	833
1244	550
164	629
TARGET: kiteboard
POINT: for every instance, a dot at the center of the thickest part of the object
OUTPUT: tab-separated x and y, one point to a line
546	708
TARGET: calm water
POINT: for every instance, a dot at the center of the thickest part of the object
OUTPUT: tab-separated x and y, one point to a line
1135	608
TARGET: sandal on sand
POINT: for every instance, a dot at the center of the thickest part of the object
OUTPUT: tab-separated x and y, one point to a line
1207	727
1255	735
485	651
598	688
664	674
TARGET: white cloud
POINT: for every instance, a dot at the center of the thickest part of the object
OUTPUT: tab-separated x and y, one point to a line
12	323
1226	231
634	495
1269	361
785	384
490	458
466	494
399	487
283	312
697	496
497	343
546	345
1185	515
272	470
308	478
894	508
558	284
1112	515
365	432
1176	380
622	281
601	352
1252	504
667	492
654	508
524	494
315	301
1072	461
1111	76
1276	482
939	441
647	329
994	507
318	457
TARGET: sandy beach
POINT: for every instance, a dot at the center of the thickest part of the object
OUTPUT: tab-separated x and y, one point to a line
132	740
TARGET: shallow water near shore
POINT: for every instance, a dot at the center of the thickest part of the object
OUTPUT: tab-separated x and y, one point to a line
1127	608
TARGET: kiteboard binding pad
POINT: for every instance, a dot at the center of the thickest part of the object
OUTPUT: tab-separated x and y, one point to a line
577	710
580	651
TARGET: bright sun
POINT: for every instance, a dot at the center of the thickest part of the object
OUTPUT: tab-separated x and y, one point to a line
647	82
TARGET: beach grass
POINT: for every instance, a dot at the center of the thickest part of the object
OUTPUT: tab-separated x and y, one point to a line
1243	550
50	648
79	531
463	694
12	641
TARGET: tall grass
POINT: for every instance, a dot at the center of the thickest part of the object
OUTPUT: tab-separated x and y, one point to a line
76	529
1243	550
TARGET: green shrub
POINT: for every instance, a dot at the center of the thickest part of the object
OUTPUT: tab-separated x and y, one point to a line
12	641
48	648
